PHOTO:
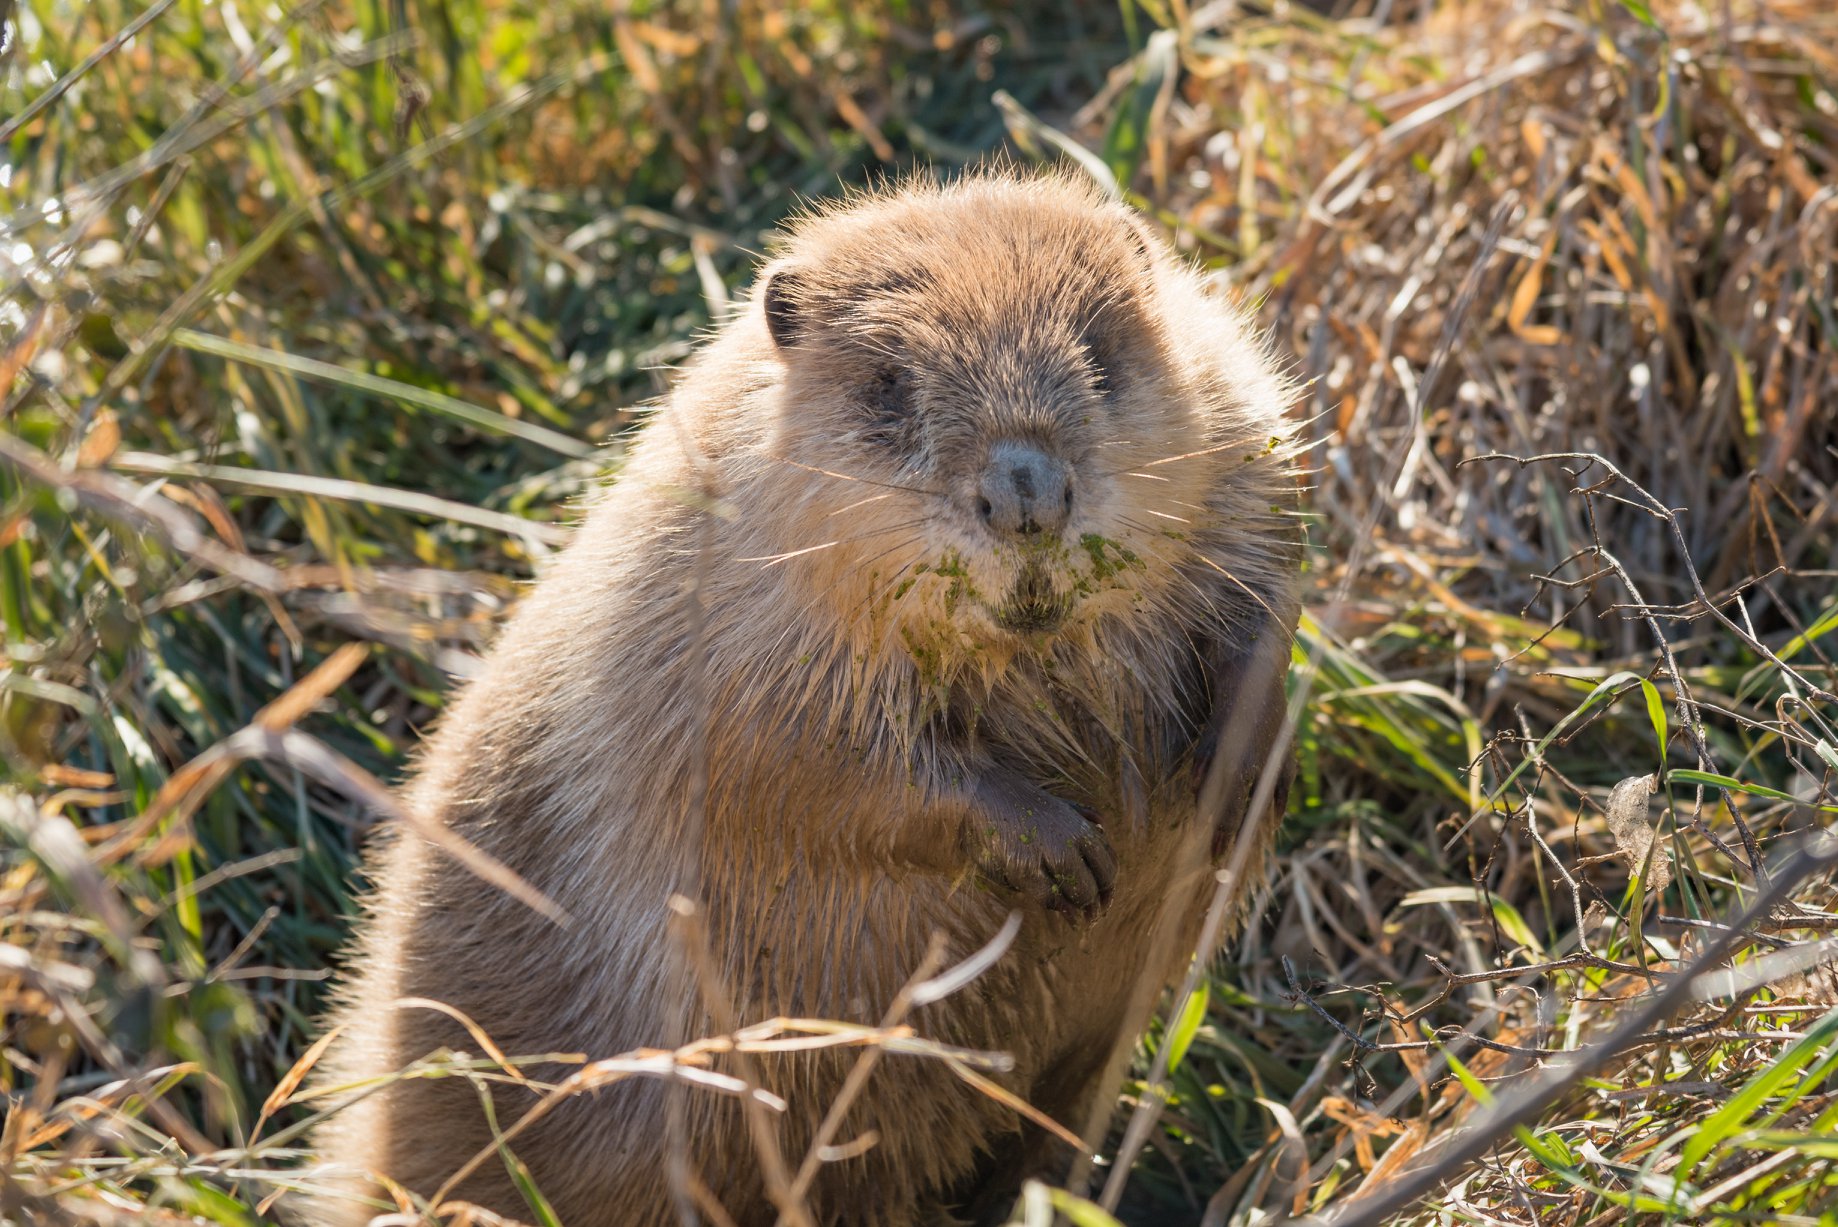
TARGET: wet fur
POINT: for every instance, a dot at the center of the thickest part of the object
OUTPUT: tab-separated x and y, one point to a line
843	704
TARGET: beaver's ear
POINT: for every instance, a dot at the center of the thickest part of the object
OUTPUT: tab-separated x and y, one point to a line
780	298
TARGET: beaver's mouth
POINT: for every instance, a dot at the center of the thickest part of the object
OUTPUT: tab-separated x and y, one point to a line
1035	605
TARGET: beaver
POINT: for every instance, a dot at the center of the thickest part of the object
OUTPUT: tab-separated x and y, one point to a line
945	570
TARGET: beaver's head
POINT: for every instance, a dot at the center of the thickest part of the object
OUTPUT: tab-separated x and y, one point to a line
1011	411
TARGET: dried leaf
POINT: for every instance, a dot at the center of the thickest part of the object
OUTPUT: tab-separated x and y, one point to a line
1612	249
20	352
1402	1151
1014	1103
1293	1162
305	694
291	1080
207	503
1532	133
853	115
670	42
1525	295
473	1029
65	776
1628	805
102	441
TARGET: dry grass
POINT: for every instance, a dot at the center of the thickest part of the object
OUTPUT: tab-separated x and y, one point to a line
307	323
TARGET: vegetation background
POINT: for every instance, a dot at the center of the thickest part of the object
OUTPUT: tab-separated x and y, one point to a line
312	321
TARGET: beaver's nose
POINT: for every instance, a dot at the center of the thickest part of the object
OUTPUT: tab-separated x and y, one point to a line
1023	491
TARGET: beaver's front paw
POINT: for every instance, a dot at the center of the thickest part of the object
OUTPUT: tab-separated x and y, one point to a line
1045	850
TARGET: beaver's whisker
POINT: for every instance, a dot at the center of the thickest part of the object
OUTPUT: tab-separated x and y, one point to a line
867	603
869	562
811	606
1148	530
775	559
872	498
1249	591
912	540
1205	451
874	597
1209	604
761	664
866	481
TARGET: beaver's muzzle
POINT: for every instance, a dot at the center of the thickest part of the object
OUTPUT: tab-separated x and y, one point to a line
1035	604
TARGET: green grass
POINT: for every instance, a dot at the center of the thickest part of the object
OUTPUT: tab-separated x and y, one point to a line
350	299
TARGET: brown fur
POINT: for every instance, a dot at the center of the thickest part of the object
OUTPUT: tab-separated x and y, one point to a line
786	593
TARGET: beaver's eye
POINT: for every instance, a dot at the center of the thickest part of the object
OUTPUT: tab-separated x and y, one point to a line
888	396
